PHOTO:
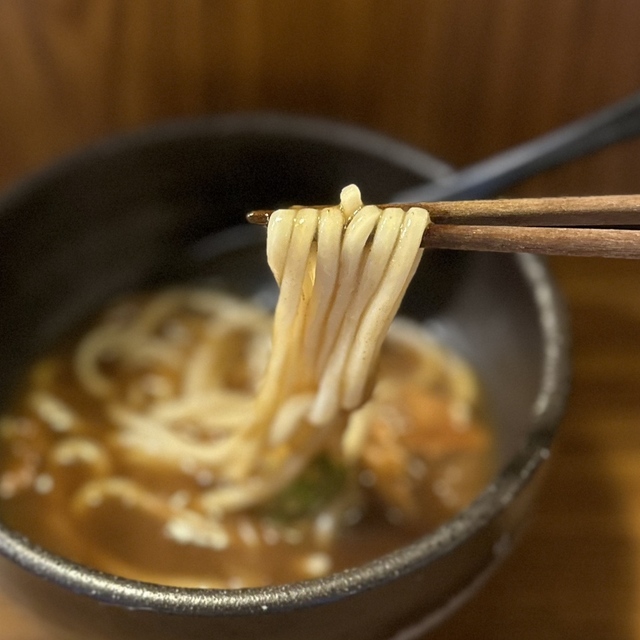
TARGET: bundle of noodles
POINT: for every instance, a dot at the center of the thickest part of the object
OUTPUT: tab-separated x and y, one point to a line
342	273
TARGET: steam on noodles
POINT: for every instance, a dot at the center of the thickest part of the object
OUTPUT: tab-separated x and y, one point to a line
213	413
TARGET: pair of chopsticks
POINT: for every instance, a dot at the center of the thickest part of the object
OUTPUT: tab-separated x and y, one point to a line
571	226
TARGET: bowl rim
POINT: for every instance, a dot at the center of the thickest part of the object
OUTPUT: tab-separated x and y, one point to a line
547	409
263	123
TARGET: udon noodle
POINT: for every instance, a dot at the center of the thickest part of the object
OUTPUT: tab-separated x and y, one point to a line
200	411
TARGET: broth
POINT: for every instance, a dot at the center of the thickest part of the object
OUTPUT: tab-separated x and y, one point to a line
80	477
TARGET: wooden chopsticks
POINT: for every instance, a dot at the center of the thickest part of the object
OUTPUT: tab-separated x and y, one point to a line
572	226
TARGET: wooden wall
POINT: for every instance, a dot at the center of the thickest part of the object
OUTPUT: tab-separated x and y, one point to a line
461	78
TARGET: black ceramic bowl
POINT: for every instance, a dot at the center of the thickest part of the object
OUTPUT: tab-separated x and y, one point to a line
143	208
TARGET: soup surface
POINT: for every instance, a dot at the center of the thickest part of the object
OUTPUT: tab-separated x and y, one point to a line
107	456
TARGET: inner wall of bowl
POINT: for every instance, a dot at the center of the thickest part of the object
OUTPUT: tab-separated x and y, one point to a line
130	215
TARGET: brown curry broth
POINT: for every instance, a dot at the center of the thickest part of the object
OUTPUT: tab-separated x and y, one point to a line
117	539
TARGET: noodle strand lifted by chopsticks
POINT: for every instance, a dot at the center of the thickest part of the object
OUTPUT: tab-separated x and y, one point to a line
342	273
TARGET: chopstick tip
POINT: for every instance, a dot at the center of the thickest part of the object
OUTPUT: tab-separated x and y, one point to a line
260	217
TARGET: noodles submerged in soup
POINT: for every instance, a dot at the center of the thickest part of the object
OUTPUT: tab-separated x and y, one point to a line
190	438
